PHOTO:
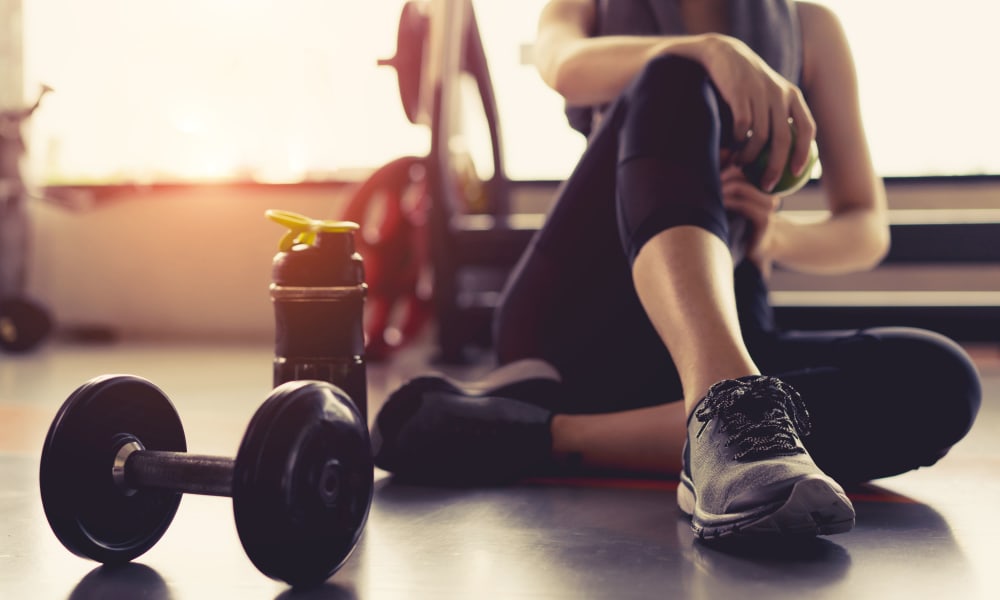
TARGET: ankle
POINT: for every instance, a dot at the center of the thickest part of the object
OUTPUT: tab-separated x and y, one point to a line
560	432
699	389
566	454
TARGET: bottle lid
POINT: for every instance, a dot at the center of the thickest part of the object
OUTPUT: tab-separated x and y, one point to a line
303	230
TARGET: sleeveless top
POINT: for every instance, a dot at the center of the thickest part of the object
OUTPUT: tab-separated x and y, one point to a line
769	27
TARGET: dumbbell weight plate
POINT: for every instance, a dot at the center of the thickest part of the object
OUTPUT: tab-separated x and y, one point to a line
23	324
88	511
303	482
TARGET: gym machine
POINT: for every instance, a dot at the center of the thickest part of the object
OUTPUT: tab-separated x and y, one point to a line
23	323
445	252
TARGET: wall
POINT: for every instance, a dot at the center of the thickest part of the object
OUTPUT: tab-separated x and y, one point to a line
195	262
183	263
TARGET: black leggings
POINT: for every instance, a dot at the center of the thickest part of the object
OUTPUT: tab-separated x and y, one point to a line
883	400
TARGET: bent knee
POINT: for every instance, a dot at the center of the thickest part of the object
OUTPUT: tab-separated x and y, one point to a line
675	86
672	69
672	109
936	378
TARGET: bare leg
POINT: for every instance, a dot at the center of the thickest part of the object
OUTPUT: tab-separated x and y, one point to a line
684	278
655	437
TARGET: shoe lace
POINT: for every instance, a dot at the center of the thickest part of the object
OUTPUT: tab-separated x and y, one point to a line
763	416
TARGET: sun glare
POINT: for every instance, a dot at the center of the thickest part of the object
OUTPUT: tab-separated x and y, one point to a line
268	90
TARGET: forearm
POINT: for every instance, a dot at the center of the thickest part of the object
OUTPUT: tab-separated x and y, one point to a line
853	240
593	71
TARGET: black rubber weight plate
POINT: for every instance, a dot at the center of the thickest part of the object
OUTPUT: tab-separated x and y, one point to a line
88	512
302	483
23	325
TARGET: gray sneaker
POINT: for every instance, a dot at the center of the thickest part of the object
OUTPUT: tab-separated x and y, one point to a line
745	470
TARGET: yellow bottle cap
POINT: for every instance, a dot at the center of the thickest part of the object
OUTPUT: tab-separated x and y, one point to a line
303	230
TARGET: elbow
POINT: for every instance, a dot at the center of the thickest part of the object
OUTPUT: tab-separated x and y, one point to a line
553	75
560	81
562	71
876	247
882	246
562	77
864	247
879	235
881	238
549	63
871	239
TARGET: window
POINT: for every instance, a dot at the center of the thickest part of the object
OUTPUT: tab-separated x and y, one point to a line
925	70
927	83
210	90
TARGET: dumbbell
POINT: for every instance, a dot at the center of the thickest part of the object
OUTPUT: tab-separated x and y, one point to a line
114	467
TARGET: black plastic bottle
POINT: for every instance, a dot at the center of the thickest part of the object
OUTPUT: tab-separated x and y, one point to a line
318	291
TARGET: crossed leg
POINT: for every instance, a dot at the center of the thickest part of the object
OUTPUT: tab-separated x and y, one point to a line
638	319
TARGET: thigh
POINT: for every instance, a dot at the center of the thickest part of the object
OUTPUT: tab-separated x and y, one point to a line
570	299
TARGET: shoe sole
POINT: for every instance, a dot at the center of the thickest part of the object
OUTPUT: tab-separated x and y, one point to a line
814	506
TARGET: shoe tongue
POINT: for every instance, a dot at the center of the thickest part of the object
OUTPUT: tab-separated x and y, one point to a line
746	402
752	397
761	426
745	395
758	402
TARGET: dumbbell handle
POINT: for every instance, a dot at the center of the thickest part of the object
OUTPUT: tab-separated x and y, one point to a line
137	469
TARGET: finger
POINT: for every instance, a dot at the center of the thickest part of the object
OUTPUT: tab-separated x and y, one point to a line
761	126
725	158
741	193
780	145
745	196
742	125
805	133
741	188
732	173
753	215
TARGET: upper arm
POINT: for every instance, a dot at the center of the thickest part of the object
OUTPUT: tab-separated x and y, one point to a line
561	23
829	82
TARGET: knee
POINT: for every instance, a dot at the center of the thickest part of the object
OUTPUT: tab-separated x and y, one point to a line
671	71
670	101
905	396
672	85
935	379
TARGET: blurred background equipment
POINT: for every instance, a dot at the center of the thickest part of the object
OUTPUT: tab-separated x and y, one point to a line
23	322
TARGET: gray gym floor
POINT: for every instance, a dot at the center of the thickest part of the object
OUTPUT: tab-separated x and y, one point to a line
926	534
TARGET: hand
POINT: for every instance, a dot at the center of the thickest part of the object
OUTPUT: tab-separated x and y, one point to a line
742	197
762	102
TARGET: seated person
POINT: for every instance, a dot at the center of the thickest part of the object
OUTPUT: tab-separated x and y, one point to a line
635	333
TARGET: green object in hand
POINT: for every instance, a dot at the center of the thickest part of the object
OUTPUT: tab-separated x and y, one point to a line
789	182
